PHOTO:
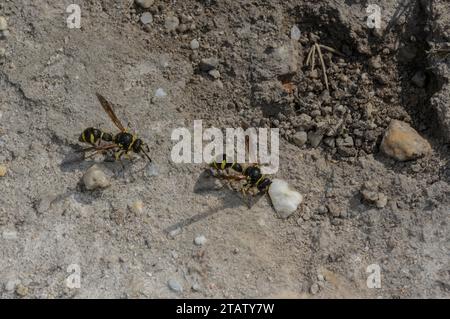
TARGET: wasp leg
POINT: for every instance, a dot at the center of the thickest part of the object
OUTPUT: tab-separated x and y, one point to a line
245	195
118	156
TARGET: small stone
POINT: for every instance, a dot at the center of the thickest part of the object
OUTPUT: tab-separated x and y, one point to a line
137	207
329	141
10	235
200	240
145	4
21	290
160	93
403	143
45	203
334	209
3	170
295	33
285	201
3	24
152	170
11	284
209	64
194	44
175	232
95	178
2	52
146	18
4	34
196	287
382	200
174	285
214	73
300	138
315	137
171	23
314	288
375	62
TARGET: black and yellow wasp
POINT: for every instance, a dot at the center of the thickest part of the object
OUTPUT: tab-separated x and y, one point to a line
122	143
251	174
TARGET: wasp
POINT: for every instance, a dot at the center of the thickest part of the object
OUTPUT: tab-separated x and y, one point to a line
251	174
123	142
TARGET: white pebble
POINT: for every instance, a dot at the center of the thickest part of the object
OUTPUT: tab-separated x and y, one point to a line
195	44
3	24
95	178
285	201
200	240
295	33
160	93
146	18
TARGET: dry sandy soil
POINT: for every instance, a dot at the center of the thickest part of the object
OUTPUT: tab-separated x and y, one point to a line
48	78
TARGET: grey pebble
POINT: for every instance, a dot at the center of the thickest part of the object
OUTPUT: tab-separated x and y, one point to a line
171	23
174	285
146	18
214	73
194	44
209	64
300	138
314	288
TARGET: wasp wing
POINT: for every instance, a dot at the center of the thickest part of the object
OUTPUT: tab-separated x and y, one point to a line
108	109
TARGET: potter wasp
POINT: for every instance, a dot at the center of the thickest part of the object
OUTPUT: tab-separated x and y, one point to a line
122	143
251	174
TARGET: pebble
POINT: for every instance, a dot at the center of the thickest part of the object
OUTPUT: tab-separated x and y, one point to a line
175	232
2	52
11	284
44	203
174	285
95	178
146	18
3	24
171	23
403	143
144	3
196	287
200	240
209	64
3	170
137	207
285	201
300	138
214	73
21	290
295	33
194	44
314	288
315	137
160	93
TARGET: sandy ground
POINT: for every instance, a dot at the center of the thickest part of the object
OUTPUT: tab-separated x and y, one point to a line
48	222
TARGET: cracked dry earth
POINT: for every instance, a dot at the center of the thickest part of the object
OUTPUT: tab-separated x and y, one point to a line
141	237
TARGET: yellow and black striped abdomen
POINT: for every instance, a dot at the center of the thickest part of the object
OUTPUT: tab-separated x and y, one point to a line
92	136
